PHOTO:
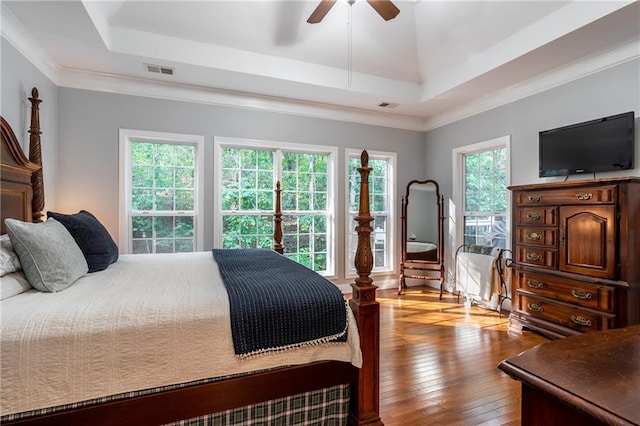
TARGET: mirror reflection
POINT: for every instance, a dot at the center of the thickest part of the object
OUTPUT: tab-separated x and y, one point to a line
422	233
422	223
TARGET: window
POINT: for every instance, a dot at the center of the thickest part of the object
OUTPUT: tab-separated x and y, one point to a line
248	171
161	177
381	200
484	175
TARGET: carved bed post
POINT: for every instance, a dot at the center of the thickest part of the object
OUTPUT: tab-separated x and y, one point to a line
277	223
35	156
365	401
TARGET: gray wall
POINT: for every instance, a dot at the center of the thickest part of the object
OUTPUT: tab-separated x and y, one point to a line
612	91
19	76
608	92
88	146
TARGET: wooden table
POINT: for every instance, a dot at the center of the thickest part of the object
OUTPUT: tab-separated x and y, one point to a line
589	379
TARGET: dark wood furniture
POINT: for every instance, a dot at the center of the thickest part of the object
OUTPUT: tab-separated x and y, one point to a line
200	399
576	248
589	379
423	216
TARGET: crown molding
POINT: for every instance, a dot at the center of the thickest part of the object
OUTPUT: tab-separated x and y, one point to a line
101	82
554	78
14	32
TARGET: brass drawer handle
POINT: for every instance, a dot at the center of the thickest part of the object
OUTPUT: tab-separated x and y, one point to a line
580	294
534	198
584	196
535	284
535	307
534	236
581	320
534	256
534	216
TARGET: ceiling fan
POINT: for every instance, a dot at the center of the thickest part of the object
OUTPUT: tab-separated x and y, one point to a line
385	8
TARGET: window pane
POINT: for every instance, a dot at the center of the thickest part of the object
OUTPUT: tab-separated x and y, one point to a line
379	206
142	177
185	199
485	198
163	180
304	183
142	227
184	227
185	177
142	199
485	181
485	230
247	231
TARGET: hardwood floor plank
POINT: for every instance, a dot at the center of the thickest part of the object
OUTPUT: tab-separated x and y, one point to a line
438	361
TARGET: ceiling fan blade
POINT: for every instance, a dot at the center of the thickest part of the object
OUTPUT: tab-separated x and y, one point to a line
321	10
385	8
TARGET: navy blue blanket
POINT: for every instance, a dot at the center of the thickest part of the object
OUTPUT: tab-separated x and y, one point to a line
277	303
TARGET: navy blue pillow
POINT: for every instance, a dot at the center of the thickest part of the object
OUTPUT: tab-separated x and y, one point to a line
92	237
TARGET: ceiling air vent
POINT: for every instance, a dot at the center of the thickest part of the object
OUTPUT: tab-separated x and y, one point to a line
159	69
387	105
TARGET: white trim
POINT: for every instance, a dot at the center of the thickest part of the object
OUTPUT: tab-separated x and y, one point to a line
457	169
391	157
114	83
332	151
14	32
125	137
543	82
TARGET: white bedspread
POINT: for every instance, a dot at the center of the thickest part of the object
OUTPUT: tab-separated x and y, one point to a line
146	321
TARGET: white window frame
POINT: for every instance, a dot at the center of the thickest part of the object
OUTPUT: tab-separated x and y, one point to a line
126	137
219	142
458	185
391	157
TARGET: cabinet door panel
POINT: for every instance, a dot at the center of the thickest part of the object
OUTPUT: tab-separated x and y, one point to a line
587	237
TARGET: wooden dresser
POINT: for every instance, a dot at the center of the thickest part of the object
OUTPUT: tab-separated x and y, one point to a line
576	256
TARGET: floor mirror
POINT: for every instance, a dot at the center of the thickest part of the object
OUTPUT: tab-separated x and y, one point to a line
422	234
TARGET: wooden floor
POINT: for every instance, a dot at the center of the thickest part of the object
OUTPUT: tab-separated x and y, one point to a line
438	362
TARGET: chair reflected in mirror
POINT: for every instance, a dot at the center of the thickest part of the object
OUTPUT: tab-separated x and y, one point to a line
422	234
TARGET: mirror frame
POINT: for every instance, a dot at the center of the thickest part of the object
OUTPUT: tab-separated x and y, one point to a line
417	264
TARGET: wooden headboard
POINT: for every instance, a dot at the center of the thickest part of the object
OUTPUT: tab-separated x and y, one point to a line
21	185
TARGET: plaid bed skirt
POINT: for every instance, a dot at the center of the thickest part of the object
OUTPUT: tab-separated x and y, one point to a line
328	406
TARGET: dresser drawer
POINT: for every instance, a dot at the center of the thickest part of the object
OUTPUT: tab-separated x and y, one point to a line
571	317
584	195
582	294
538	216
537	236
544	257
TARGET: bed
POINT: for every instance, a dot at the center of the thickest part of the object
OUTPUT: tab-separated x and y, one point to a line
142	376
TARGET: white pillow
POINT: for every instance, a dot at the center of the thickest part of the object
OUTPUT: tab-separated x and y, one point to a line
50	257
13	284
9	261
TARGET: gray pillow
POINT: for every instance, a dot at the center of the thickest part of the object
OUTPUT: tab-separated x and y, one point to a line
50	258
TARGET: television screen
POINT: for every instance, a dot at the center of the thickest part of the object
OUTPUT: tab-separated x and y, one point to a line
601	145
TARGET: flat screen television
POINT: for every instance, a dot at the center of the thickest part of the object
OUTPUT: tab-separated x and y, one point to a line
601	145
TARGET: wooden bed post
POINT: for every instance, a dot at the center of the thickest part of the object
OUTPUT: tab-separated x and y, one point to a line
365	400
35	156
277	223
